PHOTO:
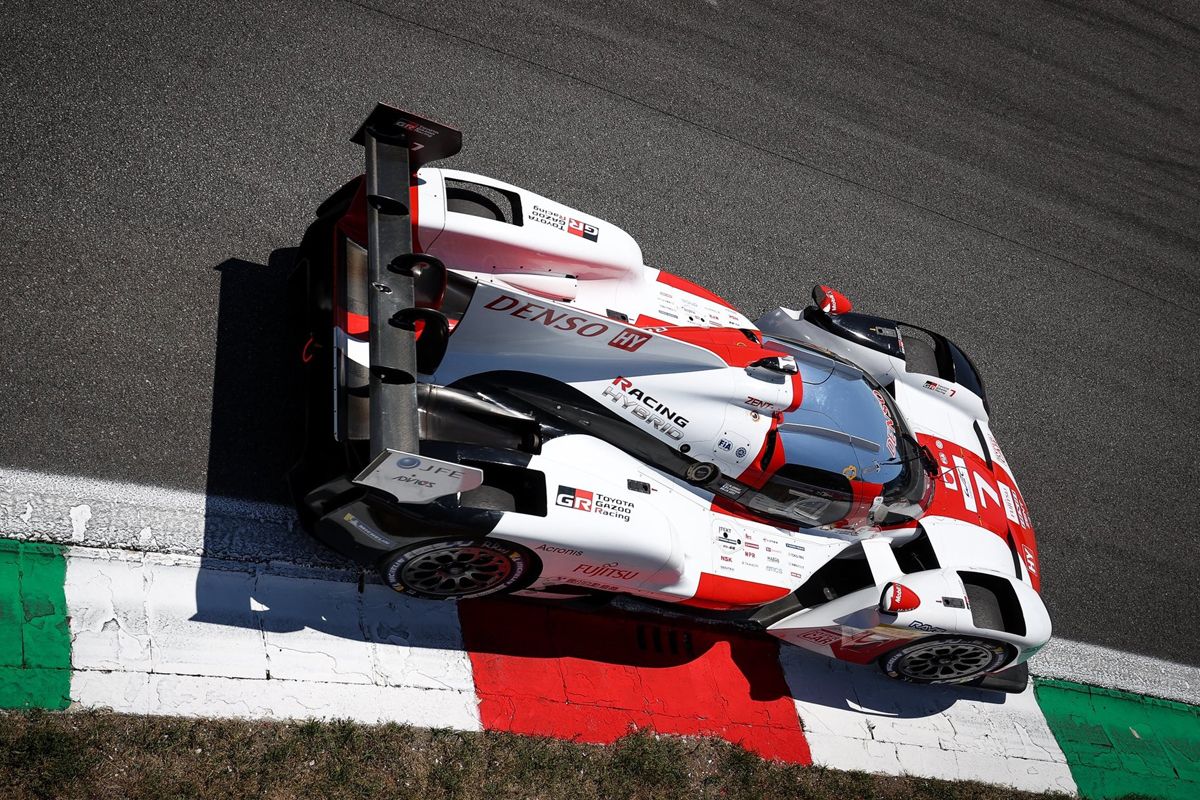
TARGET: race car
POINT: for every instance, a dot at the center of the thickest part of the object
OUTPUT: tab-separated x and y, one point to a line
503	398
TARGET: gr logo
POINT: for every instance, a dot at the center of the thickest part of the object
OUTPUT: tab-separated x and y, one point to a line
578	499
408	462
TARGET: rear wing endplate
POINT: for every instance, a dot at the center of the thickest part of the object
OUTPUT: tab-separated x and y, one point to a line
397	143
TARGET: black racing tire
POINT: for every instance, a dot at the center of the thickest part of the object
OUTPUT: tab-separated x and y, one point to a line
460	568
945	659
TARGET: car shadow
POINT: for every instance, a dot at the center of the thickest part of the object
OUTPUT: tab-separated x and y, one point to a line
253	544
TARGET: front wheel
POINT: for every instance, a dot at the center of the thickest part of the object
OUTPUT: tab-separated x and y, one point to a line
460	568
945	659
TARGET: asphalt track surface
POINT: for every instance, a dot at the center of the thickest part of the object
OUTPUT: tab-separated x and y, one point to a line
1024	177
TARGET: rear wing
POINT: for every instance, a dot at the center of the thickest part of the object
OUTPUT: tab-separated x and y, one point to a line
405	289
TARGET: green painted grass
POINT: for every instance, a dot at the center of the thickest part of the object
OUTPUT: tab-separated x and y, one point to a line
35	641
1120	744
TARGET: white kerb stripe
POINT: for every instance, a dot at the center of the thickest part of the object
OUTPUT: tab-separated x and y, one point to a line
160	634
856	718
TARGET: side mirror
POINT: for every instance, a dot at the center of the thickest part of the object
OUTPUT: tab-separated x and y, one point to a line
830	300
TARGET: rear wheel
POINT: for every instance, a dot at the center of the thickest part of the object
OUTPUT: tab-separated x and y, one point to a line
460	568
945	659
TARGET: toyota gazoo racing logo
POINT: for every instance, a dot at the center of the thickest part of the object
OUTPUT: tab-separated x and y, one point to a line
645	407
575	227
594	502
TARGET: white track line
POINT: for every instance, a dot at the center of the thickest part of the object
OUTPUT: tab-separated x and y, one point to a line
88	512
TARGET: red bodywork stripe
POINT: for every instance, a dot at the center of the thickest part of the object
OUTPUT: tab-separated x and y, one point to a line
722	592
357	324
546	671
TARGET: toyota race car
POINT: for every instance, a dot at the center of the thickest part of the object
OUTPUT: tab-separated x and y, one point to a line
504	399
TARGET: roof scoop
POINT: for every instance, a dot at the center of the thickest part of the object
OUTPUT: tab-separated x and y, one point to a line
897	597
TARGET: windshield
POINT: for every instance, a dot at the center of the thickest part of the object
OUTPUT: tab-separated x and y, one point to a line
845	446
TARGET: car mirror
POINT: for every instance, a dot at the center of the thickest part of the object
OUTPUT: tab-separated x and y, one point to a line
830	300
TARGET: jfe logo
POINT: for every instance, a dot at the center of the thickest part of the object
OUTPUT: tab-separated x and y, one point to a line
578	499
589	232
629	340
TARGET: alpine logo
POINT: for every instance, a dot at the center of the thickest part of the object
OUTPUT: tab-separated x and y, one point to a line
629	339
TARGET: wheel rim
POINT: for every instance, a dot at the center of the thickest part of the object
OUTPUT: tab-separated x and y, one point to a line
457	570
946	661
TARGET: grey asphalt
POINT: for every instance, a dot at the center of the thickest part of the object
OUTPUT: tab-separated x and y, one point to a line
1023	176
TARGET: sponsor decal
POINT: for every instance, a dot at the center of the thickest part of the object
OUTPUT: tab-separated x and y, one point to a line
996	451
1010	505
554	319
725	444
891	424
917	625
775	570
562	222
629	339
368	531
821	636
900	598
594	502
610	570
740	452
1029	558
793	546
562	551
941	389
646	407
416	467
570	497
754	402
604	587
772	559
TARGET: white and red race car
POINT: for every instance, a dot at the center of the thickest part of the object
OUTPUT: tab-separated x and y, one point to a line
505	399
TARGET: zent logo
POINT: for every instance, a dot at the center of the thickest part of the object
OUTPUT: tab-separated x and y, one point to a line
578	499
629	340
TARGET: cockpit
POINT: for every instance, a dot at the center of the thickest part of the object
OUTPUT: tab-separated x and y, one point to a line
848	457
